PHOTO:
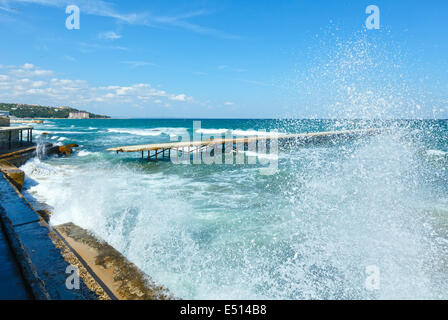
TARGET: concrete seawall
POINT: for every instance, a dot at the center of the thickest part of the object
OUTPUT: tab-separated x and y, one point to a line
43	253
30	238
41	263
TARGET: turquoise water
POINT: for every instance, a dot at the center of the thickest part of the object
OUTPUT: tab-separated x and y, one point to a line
228	231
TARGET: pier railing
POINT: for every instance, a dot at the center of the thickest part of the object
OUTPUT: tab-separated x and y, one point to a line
158	151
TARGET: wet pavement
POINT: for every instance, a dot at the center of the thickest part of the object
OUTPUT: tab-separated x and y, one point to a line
11	283
46	265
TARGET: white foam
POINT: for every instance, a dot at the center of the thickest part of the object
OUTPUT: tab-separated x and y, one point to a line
172	132
268	156
212	131
238	132
236	235
83	153
137	132
67	132
37	169
436	152
247	132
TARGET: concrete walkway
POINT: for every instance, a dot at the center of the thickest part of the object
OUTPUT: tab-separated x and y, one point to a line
42	262
11	283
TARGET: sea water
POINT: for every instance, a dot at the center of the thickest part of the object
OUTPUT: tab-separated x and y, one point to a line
311	230
359	219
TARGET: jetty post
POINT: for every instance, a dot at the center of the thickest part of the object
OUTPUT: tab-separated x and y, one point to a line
185	149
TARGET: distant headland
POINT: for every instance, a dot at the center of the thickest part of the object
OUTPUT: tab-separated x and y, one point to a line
37	111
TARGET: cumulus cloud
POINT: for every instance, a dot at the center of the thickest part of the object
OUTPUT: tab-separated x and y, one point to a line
37	84
34	85
29	70
179	97
109	35
136	64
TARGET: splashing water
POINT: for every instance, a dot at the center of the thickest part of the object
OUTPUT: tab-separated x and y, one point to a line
41	148
307	232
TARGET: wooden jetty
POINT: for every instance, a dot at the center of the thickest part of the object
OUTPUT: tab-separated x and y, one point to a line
162	150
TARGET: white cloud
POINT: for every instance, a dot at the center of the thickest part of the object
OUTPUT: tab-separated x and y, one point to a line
109	35
229	103
38	84
107	9
179	97
7	9
92	47
29	70
28	66
136	64
31	84
226	67
200	73
70	58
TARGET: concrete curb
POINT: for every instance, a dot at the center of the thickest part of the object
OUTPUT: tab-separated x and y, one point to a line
32	281
28	235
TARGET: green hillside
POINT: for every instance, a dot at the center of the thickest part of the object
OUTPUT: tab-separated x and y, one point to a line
35	111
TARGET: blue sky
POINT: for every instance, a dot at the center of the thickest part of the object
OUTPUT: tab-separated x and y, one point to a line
248	59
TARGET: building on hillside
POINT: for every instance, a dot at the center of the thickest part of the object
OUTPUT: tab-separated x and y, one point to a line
78	115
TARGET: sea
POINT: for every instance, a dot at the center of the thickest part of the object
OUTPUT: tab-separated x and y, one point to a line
362	218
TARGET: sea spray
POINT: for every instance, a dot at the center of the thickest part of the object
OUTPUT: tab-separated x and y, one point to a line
384	196
223	231
310	231
41	148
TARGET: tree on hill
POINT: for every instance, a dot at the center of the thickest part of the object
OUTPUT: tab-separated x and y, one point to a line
36	111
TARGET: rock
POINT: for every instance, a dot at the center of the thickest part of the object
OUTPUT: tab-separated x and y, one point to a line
71	145
65	150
